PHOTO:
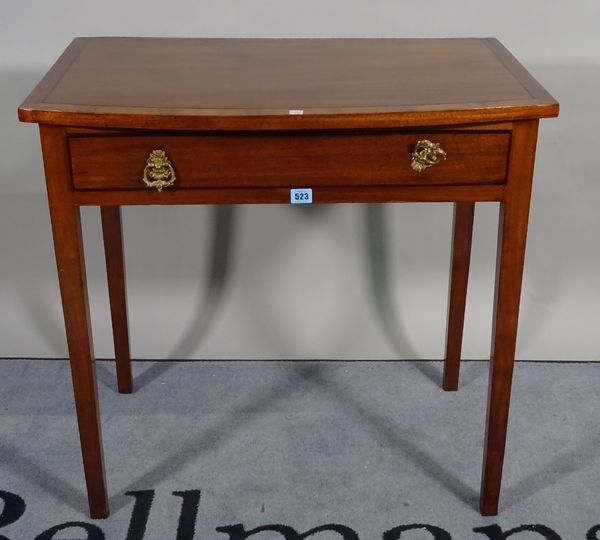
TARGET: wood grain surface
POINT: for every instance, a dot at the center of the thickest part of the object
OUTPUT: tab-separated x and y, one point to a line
462	237
68	248
115	273
243	120
308	159
254	83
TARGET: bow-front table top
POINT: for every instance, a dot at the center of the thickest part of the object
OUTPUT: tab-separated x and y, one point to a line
180	83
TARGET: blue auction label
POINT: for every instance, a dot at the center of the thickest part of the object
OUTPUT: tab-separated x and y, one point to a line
301	196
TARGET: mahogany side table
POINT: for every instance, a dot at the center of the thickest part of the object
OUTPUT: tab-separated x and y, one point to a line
130	121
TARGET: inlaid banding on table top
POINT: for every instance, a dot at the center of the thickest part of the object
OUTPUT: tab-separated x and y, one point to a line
267	77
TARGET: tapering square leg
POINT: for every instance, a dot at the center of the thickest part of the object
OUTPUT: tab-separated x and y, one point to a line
68	246
115	273
512	234
462	236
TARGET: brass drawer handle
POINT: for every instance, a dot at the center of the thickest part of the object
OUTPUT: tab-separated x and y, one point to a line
426	154
159	172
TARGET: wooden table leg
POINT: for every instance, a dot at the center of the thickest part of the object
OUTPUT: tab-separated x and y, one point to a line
115	273
462	235
512	233
68	245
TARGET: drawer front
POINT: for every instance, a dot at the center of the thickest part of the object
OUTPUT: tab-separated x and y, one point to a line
289	159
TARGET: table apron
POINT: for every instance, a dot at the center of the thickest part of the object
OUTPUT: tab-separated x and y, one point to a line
281	195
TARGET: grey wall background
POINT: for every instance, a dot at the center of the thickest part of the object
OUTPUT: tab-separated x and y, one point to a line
322	282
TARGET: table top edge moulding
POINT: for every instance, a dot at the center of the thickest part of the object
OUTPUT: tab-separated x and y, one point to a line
88	87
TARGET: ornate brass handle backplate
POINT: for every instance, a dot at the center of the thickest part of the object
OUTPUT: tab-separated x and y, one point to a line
426	154
159	172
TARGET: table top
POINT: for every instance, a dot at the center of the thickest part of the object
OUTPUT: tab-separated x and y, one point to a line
193	83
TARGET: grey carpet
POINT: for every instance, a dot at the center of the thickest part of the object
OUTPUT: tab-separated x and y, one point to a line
366	445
